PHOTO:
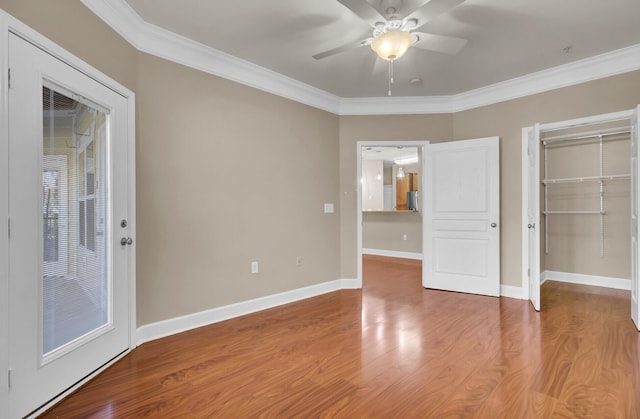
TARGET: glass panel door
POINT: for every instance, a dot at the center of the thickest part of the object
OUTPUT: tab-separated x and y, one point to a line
75	283
70	176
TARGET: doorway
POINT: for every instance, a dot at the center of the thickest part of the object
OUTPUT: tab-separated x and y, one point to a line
392	213
579	178
460	214
70	198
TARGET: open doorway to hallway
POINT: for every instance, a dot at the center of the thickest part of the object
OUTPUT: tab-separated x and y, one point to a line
390	200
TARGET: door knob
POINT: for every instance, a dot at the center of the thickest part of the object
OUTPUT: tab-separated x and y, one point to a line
531	226
494	225
126	240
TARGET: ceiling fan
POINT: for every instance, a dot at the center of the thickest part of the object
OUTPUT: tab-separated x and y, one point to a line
394	24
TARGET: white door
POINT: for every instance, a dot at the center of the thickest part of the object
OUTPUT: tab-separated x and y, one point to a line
462	234
65	322
635	197
533	215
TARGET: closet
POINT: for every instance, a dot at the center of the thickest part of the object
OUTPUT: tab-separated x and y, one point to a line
585	197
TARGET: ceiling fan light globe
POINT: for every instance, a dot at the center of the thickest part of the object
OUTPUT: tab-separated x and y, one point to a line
392	45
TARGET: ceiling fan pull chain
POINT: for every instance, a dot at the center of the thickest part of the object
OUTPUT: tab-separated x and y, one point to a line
390	76
392	71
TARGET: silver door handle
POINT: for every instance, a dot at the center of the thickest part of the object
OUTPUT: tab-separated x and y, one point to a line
126	241
531	226
494	225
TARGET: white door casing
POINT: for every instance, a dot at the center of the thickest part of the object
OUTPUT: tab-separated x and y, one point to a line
462	216
635	205
35	379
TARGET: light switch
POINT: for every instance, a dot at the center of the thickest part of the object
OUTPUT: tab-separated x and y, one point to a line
328	208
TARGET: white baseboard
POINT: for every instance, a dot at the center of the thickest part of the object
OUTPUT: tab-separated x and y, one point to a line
598	281
169	327
510	291
392	254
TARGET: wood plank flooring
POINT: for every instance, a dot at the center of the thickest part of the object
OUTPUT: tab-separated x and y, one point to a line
392	350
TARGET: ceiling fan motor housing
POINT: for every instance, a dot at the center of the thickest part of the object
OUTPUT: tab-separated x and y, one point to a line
390	26
390	8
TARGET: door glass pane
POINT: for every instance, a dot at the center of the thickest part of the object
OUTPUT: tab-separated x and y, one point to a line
75	283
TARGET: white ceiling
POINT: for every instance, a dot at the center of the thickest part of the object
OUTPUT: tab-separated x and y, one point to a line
506	39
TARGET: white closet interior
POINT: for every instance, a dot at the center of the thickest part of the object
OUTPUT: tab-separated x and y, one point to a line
585	194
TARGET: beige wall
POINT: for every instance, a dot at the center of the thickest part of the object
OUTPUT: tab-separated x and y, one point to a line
227	175
79	31
384	231
507	119
434	128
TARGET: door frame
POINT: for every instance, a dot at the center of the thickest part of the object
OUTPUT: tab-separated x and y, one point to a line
421	145
554	126
9	24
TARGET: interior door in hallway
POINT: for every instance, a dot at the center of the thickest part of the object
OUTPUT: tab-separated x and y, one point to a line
462	217
68	274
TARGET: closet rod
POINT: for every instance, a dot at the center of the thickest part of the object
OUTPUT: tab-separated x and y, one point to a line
586	135
574	212
585	179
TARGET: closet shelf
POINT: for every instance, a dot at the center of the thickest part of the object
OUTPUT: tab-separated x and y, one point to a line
571	140
574	212
585	179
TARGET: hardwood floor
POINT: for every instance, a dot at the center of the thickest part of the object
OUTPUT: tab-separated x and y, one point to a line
393	349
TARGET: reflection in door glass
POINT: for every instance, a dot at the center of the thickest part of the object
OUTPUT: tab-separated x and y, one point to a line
75	283
51	189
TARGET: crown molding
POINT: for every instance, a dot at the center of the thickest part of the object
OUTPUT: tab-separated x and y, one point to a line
165	44
604	65
173	47
403	105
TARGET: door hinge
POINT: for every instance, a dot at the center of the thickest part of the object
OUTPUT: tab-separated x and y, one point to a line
9	78
9	227
9	378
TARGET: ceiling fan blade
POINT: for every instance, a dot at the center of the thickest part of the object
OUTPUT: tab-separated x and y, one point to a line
363	9
431	10
366	68
346	47
380	66
439	43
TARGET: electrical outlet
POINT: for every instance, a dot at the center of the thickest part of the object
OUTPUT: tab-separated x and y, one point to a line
299	261
254	267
